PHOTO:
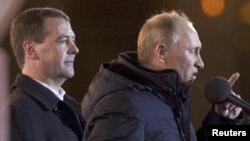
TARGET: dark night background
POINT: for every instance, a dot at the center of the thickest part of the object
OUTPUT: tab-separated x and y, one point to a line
105	28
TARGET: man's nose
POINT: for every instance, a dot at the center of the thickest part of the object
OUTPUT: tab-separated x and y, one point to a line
200	64
73	49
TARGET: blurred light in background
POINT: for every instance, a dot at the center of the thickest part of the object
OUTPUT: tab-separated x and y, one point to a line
4	111
8	9
245	13
213	8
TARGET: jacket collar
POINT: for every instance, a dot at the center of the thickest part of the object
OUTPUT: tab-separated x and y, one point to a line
165	80
35	90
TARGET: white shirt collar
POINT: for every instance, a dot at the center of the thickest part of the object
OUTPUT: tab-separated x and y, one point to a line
60	94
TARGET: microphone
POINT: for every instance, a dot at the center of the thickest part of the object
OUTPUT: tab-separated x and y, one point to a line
218	90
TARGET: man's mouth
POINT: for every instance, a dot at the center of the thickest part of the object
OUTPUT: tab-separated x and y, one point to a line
69	62
194	75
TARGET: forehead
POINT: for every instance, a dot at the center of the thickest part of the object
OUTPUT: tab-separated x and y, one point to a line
190	36
58	26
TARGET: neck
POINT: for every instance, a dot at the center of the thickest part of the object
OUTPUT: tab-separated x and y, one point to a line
53	82
153	65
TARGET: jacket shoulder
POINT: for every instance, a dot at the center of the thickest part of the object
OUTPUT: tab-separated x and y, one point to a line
136	103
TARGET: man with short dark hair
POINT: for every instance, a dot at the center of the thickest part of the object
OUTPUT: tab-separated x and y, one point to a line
43	43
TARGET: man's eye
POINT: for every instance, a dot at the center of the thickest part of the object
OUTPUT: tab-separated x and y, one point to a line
194	51
62	41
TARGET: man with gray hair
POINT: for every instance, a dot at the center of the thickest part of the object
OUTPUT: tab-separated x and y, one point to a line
145	95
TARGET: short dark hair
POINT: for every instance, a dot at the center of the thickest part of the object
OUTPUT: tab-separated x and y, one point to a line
28	25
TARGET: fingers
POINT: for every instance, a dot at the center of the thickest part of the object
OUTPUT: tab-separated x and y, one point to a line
231	106
234	77
228	109
221	110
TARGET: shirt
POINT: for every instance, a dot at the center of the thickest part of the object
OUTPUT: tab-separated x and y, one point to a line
59	94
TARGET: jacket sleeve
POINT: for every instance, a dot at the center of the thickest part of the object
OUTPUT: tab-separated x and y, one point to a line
214	119
114	118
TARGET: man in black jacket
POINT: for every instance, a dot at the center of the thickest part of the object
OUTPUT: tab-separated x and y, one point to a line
43	43
145	95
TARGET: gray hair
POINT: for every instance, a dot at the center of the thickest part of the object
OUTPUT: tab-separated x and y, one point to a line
160	28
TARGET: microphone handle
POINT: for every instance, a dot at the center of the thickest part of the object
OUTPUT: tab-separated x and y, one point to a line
239	102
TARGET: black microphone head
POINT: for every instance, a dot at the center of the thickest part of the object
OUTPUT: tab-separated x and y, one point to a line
217	90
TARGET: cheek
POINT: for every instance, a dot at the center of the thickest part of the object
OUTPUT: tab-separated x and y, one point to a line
185	67
54	58
182	63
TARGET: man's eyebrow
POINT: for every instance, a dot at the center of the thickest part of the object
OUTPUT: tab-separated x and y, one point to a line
65	36
196	47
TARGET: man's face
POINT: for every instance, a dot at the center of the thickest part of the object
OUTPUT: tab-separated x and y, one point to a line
185	57
57	52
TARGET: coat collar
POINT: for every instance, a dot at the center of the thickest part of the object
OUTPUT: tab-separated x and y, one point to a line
164	80
36	91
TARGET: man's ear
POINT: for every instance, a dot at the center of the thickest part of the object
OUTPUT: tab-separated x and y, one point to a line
29	50
161	52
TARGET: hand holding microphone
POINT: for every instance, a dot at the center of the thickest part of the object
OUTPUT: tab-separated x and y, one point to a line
228	109
219	92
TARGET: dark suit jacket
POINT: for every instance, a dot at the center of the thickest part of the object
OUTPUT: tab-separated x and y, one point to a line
38	115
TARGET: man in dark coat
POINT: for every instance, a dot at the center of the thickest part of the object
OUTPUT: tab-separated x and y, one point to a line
145	95
43	43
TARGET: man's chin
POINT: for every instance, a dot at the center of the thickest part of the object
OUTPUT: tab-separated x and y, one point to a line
68	74
188	83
